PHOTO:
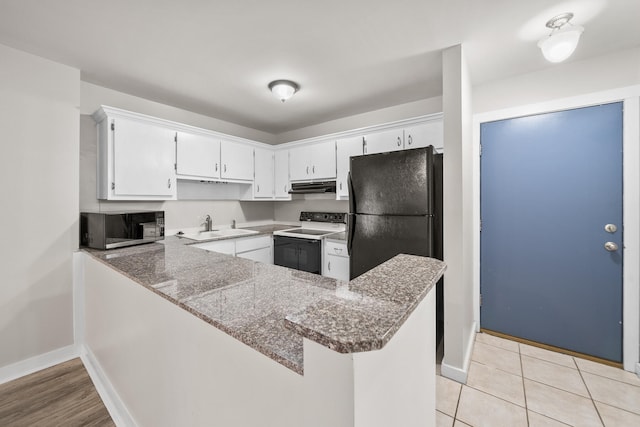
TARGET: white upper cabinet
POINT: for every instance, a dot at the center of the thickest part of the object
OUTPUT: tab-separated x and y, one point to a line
424	134
313	162
197	156
384	141
281	172
263	180
135	159
237	161
345	148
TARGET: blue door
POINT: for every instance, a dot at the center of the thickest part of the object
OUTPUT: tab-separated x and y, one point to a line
551	235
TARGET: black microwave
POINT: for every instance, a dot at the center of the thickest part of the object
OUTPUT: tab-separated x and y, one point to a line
109	230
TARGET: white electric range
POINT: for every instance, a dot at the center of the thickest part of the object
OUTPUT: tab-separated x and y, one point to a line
301	248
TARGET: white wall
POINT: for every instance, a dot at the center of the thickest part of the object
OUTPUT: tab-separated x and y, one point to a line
458	214
371	118
289	211
615	70
39	216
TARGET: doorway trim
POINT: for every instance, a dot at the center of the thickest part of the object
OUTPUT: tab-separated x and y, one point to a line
630	96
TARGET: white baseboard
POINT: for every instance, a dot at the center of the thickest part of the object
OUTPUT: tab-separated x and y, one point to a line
116	407
37	363
456	373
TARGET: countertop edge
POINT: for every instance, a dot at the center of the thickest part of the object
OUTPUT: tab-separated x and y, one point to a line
373	343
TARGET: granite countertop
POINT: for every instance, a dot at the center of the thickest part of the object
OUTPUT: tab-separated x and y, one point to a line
271	308
341	237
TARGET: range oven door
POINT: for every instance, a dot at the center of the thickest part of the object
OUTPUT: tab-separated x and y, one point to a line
297	253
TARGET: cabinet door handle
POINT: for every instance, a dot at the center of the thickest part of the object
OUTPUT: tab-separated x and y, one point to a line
285	188
341	185
225	167
329	266
399	142
313	169
409	139
307	170
169	183
258	188
216	167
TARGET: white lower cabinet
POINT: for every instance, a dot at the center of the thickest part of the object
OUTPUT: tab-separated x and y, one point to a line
222	246
336	260
256	248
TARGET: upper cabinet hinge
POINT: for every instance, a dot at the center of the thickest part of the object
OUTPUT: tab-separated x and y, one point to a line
113	126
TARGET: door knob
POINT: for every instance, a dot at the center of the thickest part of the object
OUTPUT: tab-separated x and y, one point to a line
611	247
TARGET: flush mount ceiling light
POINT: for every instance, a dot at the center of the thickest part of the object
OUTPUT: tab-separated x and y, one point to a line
563	40
283	89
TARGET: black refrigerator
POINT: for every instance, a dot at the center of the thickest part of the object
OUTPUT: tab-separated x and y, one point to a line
395	206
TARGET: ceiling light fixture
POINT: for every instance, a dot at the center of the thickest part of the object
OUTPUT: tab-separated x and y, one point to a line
563	40
283	89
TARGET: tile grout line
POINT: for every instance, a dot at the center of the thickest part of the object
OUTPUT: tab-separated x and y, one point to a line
455	413
524	390
609	378
588	391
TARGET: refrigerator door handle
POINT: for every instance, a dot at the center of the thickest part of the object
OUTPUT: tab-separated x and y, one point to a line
352	197
350	229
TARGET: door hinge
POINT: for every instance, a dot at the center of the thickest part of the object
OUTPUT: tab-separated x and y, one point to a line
480	300
113	126
480	225
480	150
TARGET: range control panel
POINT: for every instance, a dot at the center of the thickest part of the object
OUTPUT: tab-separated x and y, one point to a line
333	217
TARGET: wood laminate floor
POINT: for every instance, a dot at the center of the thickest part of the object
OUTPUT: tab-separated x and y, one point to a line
62	395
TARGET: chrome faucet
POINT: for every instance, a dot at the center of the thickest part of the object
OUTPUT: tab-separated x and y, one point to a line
208	223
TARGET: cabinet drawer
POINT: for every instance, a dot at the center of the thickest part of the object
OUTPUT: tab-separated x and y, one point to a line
223	246
252	243
336	249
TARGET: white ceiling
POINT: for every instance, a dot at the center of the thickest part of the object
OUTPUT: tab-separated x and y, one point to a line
349	56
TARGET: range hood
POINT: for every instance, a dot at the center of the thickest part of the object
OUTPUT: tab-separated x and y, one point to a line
313	187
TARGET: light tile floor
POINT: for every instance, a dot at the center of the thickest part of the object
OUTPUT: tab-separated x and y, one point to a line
511	384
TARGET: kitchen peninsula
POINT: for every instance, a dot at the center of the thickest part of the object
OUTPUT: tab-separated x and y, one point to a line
233	342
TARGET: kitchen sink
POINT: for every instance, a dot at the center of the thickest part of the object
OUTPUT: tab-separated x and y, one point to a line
217	234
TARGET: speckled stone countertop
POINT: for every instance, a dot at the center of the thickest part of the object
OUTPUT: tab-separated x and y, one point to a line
340	237
270	308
